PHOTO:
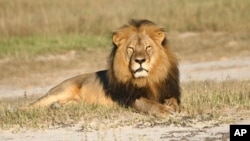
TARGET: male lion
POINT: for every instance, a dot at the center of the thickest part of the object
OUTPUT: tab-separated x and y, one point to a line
142	73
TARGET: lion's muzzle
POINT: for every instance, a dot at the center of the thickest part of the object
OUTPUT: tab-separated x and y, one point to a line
141	72
139	67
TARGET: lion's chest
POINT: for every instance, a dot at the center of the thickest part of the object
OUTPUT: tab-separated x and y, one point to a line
127	94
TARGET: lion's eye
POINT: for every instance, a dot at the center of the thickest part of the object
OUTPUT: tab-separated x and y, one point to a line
130	49
148	48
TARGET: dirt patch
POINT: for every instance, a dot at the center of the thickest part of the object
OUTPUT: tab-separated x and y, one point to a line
197	132
221	70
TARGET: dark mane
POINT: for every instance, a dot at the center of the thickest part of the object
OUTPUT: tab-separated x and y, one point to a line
126	94
138	23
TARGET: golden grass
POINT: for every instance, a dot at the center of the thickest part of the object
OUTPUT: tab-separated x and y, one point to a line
218	99
57	17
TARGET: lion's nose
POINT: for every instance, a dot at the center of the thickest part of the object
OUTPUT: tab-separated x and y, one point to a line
140	60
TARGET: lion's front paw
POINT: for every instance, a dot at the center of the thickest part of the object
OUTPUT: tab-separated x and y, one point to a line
172	102
153	108
161	110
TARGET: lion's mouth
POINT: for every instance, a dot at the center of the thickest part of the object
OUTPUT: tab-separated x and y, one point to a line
141	72
140	69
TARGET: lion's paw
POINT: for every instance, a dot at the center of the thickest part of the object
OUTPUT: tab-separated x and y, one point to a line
153	108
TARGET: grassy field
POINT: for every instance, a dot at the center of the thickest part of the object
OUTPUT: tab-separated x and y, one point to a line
197	30
204	101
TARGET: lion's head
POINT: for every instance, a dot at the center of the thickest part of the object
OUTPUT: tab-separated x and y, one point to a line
142	65
140	54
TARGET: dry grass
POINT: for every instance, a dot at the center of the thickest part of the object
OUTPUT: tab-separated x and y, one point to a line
218	99
208	100
57	17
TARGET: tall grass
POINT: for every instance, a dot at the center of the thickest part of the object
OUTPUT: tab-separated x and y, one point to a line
29	28
54	17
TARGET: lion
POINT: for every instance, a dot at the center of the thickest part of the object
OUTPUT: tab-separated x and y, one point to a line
142	73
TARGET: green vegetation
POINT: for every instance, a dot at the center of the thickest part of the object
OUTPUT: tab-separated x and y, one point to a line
19	47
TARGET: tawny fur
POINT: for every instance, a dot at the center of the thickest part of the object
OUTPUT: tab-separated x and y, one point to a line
142	73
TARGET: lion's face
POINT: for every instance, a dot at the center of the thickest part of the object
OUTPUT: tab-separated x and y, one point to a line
139	51
140	56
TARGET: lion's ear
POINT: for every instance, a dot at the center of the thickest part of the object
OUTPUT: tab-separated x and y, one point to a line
117	39
160	36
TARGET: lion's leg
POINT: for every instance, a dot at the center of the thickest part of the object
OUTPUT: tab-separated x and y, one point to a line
57	95
153	107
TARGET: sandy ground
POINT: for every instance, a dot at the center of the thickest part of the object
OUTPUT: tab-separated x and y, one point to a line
199	132
230	68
